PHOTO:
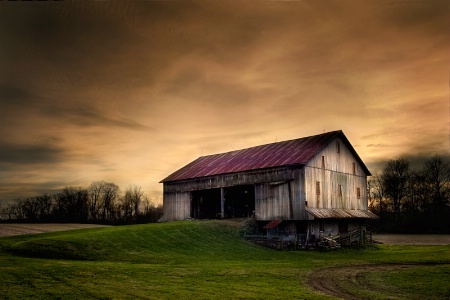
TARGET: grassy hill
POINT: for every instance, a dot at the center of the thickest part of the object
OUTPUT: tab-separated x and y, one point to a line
196	260
153	243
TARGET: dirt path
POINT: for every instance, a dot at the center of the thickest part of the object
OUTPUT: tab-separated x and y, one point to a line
18	229
332	280
412	239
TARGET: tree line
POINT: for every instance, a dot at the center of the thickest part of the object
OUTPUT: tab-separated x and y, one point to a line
102	202
411	200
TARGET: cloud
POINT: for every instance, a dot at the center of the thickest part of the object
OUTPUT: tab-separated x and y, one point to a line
429	15
21	190
30	154
89	116
11	95
376	145
416	161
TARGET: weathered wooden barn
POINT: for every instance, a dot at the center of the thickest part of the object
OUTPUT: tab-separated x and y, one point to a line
314	185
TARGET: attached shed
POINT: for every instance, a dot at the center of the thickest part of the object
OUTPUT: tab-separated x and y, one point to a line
318	183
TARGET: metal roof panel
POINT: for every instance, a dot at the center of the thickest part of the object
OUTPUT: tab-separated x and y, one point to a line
336	213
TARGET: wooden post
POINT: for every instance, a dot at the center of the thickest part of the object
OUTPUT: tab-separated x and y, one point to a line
222	203
291	210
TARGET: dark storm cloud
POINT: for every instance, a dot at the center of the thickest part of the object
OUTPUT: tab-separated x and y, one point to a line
11	95
17	101
58	31
30	154
431	13
66	44
20	190
416	161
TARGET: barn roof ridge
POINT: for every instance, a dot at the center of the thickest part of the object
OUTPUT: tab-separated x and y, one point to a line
273	143
284	153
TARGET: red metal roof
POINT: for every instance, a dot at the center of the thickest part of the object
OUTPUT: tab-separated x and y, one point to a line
292	152
273	224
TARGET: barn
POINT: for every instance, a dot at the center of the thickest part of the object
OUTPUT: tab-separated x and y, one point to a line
313	185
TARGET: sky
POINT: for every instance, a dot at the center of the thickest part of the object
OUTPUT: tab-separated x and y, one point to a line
129	92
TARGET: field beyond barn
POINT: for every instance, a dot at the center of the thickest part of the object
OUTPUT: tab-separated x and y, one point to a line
10	229
208	260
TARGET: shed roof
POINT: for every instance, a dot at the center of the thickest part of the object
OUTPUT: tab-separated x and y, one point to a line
336	213
286	153
273	224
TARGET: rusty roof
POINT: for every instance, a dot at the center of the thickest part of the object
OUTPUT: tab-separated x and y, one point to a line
286	153
336	213
273	224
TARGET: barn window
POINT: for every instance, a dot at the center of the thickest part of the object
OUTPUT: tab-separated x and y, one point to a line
340	190
358	193
318	188
354	168
323	162
338	147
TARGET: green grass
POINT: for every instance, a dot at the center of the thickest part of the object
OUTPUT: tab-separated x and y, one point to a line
413	282
198	260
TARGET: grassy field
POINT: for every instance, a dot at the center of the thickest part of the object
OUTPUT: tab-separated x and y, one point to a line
208	260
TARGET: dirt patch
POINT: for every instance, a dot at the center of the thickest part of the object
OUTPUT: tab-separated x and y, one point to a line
19	229
412	239
331	280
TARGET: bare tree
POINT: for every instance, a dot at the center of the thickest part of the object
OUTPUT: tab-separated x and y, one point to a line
45	205
10	211
395	181
31	209
72	205
151	212
95	193
437	173
377	193
98	203
131	202
102	201
418	192
110	194
17	210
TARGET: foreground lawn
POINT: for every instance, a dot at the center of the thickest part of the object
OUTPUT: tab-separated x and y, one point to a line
202	260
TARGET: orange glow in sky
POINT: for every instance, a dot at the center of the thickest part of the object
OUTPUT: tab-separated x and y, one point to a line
129	92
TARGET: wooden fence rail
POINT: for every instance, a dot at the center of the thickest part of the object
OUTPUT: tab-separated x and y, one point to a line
294	241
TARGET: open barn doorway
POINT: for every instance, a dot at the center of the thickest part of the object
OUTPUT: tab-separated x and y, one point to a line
239	201
205	204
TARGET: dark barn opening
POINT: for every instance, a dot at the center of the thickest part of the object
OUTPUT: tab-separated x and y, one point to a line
239	201
205	204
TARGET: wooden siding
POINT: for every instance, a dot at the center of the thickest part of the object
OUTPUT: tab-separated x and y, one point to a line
299	196
176	206
281	200
272	201
337	174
